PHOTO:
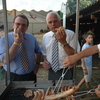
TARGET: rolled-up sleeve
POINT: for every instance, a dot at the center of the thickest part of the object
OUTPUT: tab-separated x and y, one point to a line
37	47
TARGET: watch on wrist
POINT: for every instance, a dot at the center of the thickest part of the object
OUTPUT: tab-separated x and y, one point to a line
63	44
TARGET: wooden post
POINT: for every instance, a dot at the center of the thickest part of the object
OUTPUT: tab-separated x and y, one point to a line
14	12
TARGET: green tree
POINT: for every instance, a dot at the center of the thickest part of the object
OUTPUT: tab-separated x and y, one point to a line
83	4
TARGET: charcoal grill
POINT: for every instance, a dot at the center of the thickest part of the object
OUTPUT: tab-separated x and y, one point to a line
16	94
16	89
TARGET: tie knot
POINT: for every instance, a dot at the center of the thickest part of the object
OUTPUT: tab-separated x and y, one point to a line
55	37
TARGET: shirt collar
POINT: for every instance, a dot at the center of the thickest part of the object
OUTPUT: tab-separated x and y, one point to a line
52	34
25	37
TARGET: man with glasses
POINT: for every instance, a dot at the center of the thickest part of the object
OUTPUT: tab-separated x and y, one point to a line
17	71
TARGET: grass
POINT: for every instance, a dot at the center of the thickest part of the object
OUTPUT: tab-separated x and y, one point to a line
39	37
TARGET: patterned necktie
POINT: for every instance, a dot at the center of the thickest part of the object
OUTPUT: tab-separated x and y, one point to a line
24	57
55	61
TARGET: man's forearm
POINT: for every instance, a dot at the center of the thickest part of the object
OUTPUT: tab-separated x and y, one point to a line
12	52
38	57
69	50
87	52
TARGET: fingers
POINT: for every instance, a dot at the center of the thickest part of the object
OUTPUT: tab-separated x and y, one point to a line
60	34
46	65
66	63
97	91
17	32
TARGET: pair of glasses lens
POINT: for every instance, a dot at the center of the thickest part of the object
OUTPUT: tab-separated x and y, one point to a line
18	24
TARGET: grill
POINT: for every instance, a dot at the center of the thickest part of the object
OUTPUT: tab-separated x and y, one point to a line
16	90
17	94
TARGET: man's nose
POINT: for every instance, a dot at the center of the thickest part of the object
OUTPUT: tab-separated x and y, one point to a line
52	23
20	26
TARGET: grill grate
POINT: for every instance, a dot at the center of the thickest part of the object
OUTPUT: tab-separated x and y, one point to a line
18	94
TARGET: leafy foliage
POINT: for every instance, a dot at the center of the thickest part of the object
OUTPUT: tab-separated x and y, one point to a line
83	4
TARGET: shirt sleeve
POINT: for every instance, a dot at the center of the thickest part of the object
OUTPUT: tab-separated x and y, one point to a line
72	40
37	47
85	46
43	48
98	47
2	48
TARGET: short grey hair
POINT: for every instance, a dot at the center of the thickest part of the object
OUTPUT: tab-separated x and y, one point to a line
54	13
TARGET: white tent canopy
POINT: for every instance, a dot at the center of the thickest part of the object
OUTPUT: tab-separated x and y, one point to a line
35	10
37	5
36	19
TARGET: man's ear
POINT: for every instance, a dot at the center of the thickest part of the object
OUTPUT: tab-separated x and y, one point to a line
47	27
13	25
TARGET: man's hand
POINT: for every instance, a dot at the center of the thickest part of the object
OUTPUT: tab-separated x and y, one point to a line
46	65
70	61
17	32
97	91
61	36
18	36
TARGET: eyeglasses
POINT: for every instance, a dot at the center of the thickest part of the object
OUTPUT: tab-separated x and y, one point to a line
18	24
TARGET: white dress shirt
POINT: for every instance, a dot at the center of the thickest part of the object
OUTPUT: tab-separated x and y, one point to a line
47	43
98	47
